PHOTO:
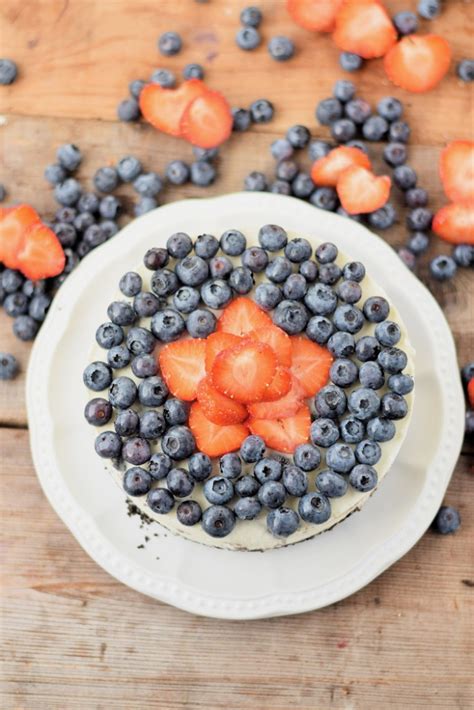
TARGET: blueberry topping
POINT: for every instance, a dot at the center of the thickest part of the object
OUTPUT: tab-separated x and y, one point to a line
247	508
137	481
314	508
189	512
160	500
331	484
218	520
363	478
179	482
218	490
178	442
272	494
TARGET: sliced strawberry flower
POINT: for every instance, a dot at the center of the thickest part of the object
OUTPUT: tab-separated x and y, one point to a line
418	62
280	385
216	343
326	171
164	108
218	408
212	439
360	191
456	167
455	223
245	371
277	339
241	316
182	365
364	27
284	434
281	408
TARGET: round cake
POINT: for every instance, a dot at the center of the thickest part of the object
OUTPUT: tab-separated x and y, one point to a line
249	391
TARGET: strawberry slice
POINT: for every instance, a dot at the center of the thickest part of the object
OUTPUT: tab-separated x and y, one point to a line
281	408
13	226
216	343
207	121
164	108
314	15
277	339
279	386
456	168
470	392
182	365
212	439
365	28
418	63
284	434
242	316
311	364
455	223
245	371
218	408
41	254
326	171
360	191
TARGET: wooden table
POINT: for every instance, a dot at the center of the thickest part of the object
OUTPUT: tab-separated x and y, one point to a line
71	636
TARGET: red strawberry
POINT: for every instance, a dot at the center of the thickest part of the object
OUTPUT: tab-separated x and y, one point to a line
311	364
281	408
41	254
455	223
277	339
245	371
360	191
182	364
216	343
218	408
326	171
417	63
242	316
207	121
212	439
314	15
284	434
164	108
365	28
279	386
470	392
13	225
456	168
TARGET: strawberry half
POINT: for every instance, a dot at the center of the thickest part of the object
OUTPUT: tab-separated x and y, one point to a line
41	254
216	343
13	225
277	339
245	371
314	15
218	408
242	316
418	63
470	392
279	386
284	434
212	439
281	408
326	171
207	121
311	364
182	364
455	223
164	108
360	191
456	168
365	28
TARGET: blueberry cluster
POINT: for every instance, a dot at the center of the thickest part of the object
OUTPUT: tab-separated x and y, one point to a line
305	293
27	303
248	37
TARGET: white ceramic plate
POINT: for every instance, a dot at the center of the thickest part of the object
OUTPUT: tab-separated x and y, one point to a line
221	583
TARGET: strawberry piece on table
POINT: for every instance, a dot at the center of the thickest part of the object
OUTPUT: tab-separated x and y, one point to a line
242	316
41	254
314	15
182	365
216	343
280	385
418	62
311	364
284	434
455	223
281	408
207	121
456	168
326	171
364	28
212	439
13	225
360	191
277	339
470	392
245	371
218	408
164	108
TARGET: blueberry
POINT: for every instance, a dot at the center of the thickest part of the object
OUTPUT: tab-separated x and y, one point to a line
349	291
186	299
376	309
177	172
272	494
281	149
350	61
200	466
82	221
381	429
179	482
250	17
364	403
261	111
324	432
93	237
344	90
9	367
314	508
160	500
419	219
16	304
388	333
404	176
110	207
367	348
287	170
32	288
395	154
469	423
354	271
178	442
401	384
352	430
429	9
216	294
126	422
230	466
164	77
343	372
241	119
392	360
192	270
325	198
246	486
144	205
169	43
465	70
128	110
146	304
148	184
8	72
206	246
368	452
137	481
189	512
272	237
152	424
255	259
406	23
129	168
407	257
175	411
374	128
348	318
363	478
318	149
121	313
290	316
164	282
358	110
416	197
340	458
383	218
343	130
247	508
330	401
193	71
122	392
220	267
255	182
218	490
360	145
328	111
371	375
207	154
329	274
331	484
309	269
97	376
393	406
135	87
252	449
119	356
298	136
268	469
418	243
98	411
248	38
55	174
218	520
302	185
341	344
281	48
201	322
298	250
152	391
294	287
241	280
282	522
233	242
390	108
25	327
268	296
131	283
108	445
319	329
463	255
443	268
295	480
467	373
278	269
447	520
399	132
321	299
67	192
106	179
202	173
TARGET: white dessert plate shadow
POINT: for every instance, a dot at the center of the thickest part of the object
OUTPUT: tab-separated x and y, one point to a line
222	583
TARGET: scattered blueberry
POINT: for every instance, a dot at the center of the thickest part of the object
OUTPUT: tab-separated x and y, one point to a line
328	111
248	38
281	149
463	255
8	72
128	168
325	198
406	22
374	128
106	179
25	327
443	268
465	70
177	172
281	48
164	77
55	174
241	119
429	9
287	170
148	184
144	205
318	149
343	130
251	16
395	154
350	61
399	132
384	217
169	43
447	520
202	173
9	367
135	87
128	110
